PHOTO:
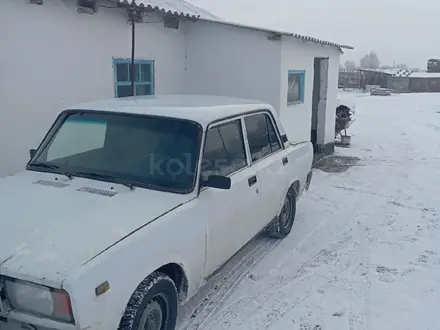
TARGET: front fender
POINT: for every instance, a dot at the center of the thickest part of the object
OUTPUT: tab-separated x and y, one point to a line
175	238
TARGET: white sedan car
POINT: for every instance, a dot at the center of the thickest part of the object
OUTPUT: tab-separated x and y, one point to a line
128	205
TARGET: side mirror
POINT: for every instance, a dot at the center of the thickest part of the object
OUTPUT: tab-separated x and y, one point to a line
284	138
218	182
32	152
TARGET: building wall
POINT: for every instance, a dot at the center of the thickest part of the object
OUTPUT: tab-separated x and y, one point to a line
246	64
299	55
398	84
228	61
418	85
424	85
51	57
349	79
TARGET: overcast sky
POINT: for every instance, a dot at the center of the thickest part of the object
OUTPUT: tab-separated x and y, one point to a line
404	31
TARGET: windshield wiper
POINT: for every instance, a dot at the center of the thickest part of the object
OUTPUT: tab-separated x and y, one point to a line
103	176
52	167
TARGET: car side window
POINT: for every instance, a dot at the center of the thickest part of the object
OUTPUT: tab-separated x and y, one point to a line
274	142
224	151
261	135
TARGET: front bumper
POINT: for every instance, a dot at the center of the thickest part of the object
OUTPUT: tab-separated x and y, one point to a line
6	324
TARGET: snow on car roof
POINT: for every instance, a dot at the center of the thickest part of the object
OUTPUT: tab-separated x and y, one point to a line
203	109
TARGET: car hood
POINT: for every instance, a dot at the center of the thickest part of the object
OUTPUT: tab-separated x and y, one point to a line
48	228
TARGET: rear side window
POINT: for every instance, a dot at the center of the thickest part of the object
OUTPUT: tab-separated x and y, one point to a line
224	151
261	135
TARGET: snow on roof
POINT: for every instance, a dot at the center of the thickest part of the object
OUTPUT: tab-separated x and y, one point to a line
385	71
405	73
425	75
203	109
185	9
173	7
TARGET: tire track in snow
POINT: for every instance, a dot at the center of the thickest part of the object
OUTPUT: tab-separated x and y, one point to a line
358	315
323	257
279	290
208	310
215	299
358	256
327	256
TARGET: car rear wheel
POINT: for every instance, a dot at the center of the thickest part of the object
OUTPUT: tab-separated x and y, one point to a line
153	306
281	226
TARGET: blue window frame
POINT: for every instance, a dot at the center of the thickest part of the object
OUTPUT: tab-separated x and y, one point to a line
144	82
295	87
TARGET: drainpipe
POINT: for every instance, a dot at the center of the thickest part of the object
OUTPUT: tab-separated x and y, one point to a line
133	44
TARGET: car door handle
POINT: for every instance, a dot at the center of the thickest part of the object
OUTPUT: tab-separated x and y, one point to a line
285	161
252	180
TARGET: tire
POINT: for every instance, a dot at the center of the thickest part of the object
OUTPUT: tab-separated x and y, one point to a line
153	306
281	226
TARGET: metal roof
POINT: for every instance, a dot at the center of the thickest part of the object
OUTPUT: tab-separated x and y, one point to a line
183	8
173	7
284	33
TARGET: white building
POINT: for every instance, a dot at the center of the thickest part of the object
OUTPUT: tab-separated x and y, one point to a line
56	53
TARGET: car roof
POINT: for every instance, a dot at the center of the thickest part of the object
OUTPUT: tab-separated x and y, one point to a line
203	109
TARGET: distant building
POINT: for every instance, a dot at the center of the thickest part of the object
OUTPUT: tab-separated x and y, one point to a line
433	65
401	80
349	79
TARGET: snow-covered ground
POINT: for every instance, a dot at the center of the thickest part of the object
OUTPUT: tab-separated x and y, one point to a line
364	252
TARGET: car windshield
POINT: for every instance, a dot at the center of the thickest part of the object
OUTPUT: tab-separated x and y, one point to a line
153	152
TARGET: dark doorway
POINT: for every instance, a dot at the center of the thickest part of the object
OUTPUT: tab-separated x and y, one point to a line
319	103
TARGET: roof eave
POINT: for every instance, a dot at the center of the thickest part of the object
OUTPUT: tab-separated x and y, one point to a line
182	14
282	33
129	3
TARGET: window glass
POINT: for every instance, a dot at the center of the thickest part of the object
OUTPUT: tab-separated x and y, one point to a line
146	72
76	137
124	90
160	152
224	150
261	136
274	142
295	87
122	72
143	89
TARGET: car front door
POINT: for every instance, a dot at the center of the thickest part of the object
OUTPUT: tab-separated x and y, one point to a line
269	160
232	215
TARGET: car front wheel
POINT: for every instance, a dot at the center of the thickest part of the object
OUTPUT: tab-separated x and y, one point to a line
153	306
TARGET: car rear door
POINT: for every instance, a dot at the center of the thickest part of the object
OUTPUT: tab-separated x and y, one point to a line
269	160
233	216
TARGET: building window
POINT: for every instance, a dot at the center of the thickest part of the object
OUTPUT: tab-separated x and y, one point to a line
144	82
295	87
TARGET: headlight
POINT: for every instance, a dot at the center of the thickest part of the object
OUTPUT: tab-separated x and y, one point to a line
38	299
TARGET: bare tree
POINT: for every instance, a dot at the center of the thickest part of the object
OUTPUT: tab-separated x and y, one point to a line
370	61
350	65
402	66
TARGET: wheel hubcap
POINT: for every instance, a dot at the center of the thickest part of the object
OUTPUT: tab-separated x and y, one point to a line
152	317
286	212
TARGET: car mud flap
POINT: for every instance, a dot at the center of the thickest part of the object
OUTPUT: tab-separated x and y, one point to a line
308	180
